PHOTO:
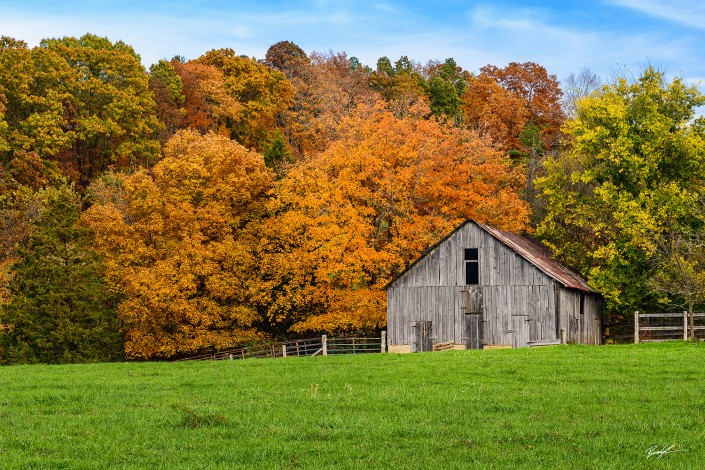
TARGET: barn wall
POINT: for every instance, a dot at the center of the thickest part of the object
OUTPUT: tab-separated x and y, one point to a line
519	299
585	328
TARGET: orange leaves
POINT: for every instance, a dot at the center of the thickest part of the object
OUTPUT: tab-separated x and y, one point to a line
177	247
501	102
352	216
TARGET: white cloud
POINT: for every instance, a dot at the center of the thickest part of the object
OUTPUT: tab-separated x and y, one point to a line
684	12
484	35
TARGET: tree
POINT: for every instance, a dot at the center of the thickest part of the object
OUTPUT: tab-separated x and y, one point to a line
345	221
495	112
301	131
60	309
33	92
632	172
680	271
446	85
262	92
401	85
179	245
540	96
168	90
208	105
286	57
578	86
341	89
108	111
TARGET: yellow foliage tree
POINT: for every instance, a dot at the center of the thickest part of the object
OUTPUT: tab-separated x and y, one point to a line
177	246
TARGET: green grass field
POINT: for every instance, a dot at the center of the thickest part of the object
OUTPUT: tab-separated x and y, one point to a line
552	407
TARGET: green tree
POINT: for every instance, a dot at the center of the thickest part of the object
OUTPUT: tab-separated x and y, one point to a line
109	115
60	309
33	90
446	85
632	172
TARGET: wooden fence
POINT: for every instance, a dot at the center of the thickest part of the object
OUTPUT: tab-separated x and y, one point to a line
322	346
667	326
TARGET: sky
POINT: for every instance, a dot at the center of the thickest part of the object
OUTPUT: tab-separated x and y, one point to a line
610	37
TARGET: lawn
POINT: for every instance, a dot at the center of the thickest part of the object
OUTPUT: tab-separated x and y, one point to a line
551	407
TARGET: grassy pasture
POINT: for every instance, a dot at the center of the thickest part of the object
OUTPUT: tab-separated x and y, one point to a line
552	407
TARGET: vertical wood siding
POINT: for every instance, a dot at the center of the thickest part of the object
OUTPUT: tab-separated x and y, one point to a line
520	301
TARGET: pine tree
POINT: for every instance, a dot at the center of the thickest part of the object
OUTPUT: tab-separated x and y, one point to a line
60	309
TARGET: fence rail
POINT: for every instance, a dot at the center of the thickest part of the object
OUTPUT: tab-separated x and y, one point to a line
657	327
302	347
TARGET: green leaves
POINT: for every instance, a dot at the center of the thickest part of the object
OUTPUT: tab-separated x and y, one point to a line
632	171
60	309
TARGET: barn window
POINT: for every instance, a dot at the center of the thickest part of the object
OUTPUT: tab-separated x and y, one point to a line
472	266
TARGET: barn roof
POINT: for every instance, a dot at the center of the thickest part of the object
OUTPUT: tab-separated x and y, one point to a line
529	249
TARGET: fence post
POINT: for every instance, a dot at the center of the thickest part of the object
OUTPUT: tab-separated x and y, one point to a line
383	342
324	344
685	325
283	350
636	327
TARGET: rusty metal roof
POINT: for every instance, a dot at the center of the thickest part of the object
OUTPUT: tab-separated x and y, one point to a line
536	254
529	249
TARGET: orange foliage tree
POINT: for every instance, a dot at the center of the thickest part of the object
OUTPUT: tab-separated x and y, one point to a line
261	92
348	219
532	94
177	246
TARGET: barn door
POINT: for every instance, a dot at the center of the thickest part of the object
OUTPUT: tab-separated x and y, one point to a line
474	319
421	336
473	331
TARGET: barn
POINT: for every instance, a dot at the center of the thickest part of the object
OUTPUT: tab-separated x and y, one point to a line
484	287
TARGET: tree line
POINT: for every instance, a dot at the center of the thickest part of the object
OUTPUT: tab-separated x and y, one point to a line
215	202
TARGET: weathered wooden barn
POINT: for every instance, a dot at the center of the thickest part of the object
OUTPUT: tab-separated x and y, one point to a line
481	286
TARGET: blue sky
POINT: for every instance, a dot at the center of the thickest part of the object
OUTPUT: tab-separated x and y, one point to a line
606	36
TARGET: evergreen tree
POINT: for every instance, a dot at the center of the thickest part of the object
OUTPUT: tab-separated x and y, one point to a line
60	309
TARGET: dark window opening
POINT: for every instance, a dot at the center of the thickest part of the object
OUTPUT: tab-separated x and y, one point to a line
472	266
582	304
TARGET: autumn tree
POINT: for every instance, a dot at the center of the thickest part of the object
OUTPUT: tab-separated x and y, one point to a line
348	219
208	105
342	88
108	110
539	92
262	93
33	131
301	122
633	172
519	107
286	57
168	90
502	102
402	85
179	247
60	309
